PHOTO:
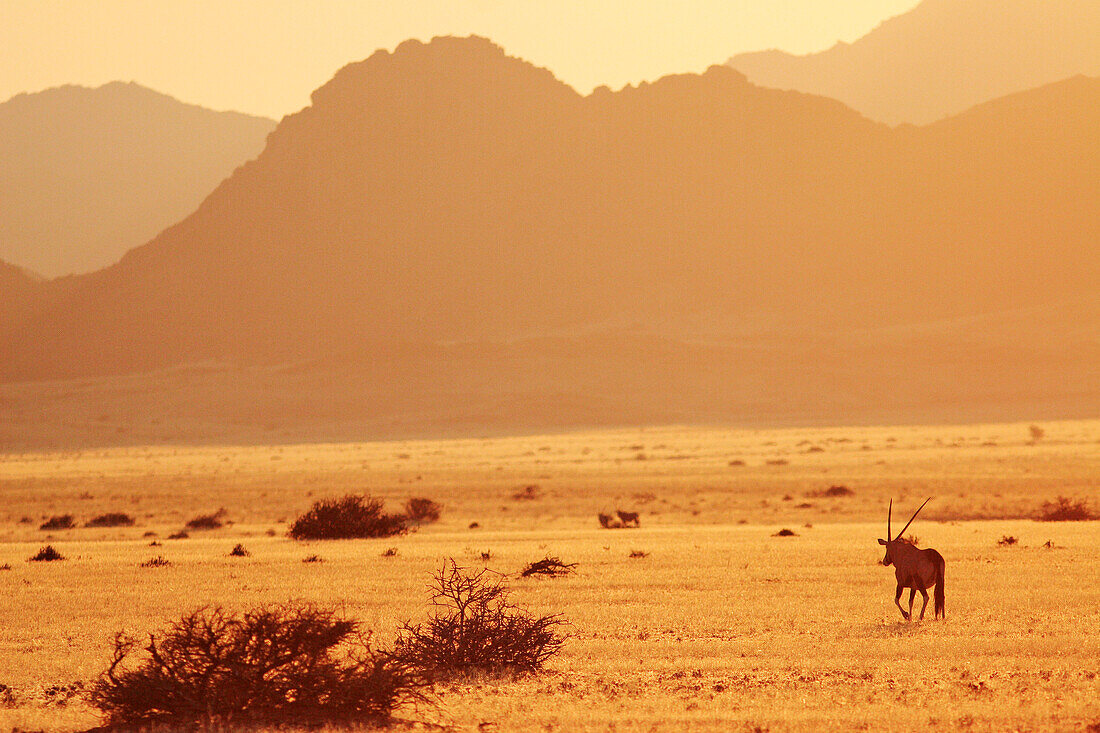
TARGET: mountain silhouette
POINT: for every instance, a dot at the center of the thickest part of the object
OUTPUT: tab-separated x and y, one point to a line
91	173
943	57
460	236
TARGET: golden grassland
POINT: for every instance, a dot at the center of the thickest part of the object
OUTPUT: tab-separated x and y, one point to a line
722	626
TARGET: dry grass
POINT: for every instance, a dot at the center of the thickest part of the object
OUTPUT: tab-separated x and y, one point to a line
722	627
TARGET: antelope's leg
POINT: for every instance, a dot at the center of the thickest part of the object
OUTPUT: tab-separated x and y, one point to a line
912	595
924	605
897	602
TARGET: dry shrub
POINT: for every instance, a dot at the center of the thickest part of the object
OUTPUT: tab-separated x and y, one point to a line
239	551
422	510
528	493
475	629
295	665
832	492
207	521
349	517
638	554
1064	509
181	535
785	533
551	566
313	558
389	552
111	519
63	521
160	561
1007	540
47	554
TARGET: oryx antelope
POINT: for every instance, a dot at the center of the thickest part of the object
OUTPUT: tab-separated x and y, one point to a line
915	569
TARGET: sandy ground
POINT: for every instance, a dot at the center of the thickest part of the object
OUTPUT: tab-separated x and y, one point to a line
720	626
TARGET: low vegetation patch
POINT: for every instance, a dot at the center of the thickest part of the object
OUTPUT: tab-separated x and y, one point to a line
63	521
207	521
1065	509
785	533
47	554
181	535
528	493
551	566
111	519
239	551
1007	541
475	629
160	561
422	510
833	492
350	517
299	665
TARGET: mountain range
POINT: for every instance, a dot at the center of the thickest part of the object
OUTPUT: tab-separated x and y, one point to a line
943	57
465	240
88	174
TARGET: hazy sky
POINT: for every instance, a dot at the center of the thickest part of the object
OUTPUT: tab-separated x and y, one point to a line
266	56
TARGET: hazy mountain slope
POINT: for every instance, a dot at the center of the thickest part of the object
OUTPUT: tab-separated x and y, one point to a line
471	232
88	174
943	57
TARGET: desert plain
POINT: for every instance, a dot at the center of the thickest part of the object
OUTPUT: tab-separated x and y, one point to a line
701	619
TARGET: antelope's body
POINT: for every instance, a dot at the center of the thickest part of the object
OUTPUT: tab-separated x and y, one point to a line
915	569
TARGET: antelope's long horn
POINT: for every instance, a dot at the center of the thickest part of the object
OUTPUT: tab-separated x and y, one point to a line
889	511
913	517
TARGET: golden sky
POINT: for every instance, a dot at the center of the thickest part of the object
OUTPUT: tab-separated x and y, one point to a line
266	56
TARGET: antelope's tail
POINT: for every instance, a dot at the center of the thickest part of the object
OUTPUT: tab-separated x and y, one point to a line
941	566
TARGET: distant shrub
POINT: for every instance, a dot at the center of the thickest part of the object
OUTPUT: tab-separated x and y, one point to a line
476	629
150	533
528	493
422	510
160	561
1007	540
551	566
638	554
111	519
272	666
777	462
207	521
1064	509
389	552
474	525
63	521
313	558
1036	432
736	462
47	554
349	517
239	551
833	492
181	535
785	533
5	566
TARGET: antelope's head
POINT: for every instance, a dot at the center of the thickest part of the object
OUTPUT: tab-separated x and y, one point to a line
891	544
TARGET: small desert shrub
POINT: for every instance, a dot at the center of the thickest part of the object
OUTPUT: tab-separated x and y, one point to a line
160	561
181	535
1064	509
349	517
5	566
286	665
1007	540
736	462
777	462
475	629
63	521
7	696
832	492
111	519
207	521
551	566
389	552
474	525
638	554
785	533
239	551
422	510
528	493
47	554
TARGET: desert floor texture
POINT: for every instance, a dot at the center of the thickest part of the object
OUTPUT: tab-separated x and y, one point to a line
715	624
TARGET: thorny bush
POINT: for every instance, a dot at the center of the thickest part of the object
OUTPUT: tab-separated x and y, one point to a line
282	665
349	517
476	629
